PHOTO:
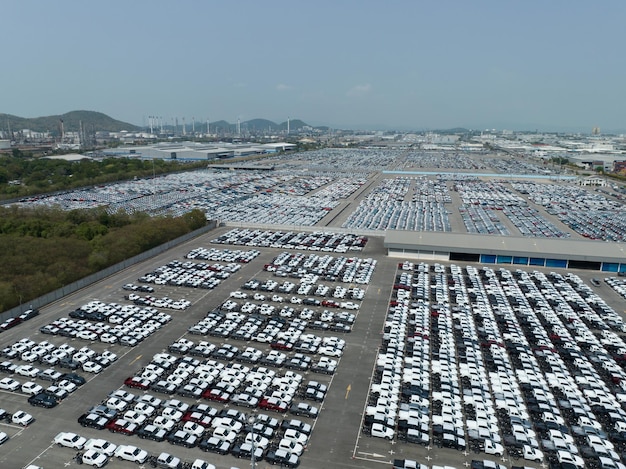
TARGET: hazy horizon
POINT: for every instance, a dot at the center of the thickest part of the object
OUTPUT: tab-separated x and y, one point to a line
350	64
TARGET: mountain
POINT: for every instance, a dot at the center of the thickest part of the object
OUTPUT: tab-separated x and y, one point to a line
256	125
92	121
294	124
259	124
222	126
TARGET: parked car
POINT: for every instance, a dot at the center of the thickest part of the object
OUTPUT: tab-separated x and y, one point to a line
70	440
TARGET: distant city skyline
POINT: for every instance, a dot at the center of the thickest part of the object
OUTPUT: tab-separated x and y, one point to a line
349	64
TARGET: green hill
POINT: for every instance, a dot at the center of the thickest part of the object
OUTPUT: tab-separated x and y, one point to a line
92	121
222	126
260	125
294	124
257	125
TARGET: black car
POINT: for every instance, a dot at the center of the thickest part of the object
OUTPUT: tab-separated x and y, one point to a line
69	363
92	420
30	313
103	411
43	400
215	445
303	408
282	458
182	438
189	390
294	424
78	380
151	432
163	387
95	316
67	332
77	314
244	450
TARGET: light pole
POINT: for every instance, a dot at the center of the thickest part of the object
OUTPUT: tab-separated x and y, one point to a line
252	420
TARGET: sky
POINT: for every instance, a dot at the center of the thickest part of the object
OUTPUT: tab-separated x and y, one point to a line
360	64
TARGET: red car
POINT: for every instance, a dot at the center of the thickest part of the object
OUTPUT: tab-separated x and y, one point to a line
122	426
216	395
281	345
273	403
137	383
198	417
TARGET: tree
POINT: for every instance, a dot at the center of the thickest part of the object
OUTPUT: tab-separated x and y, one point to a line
195	219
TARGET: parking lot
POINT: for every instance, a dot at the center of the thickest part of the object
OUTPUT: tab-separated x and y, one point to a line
319	347
377	359
310	355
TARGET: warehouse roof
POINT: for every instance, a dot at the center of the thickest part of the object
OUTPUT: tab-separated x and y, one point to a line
557	248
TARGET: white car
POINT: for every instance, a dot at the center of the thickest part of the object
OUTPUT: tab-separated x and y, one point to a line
31	388
296	436
131	453
87	335
330	351
532	454
194	428
291	446
108	338
70	440
101	446
3	437
67	385
149	399
135	417
144	408
93	458
92	367
201	464
116	404
164	423
123	395
27	370
225	434
381	431
22	418
172	414
567	457
167	460
9	384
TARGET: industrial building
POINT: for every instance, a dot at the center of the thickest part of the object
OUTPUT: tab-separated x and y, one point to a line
538	252
199	151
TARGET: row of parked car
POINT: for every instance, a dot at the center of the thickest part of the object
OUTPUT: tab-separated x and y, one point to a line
313	267
494	360
590	214
97	452
201	425
109	323
316	241
15	321
190	274
281	333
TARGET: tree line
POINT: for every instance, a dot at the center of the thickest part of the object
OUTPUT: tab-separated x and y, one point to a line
46	248
22	175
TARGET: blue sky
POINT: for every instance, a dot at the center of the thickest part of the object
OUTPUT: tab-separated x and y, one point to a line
353	64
